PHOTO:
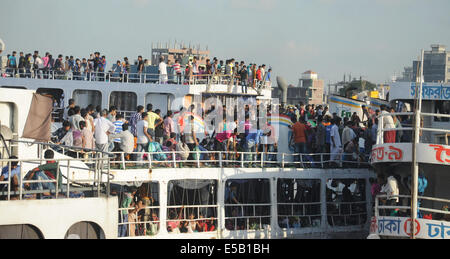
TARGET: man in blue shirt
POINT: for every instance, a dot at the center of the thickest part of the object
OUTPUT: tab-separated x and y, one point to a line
15	172
12	64
252	137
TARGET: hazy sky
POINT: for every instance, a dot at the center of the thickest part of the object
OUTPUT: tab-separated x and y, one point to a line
369	38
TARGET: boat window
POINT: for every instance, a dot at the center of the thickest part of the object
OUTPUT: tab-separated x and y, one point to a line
346	202
192	206
85	97
159	101
442	107
247	204
85	230
138	209
124	101
20	231
57	96
298	203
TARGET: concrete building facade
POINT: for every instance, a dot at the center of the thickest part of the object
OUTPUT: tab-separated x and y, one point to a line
309	90
436	65
182	54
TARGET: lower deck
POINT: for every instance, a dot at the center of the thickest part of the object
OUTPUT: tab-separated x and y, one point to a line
213	203
244	202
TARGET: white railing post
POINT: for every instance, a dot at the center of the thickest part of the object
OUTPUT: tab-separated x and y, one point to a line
198	159
174	160
301	160
149	160
377	214
321	159
9	181
20	180
57	180
68	178
262	159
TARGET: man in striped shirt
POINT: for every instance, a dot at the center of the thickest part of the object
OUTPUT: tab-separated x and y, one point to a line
135	117
118	124
177	68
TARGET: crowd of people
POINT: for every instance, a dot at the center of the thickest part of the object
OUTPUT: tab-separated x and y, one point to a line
149	131
95	68
316	130
316	135
58	67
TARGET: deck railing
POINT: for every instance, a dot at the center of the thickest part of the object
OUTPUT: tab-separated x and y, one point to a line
247	216
405	207
37	184
141	78
342	213
381	130
200	159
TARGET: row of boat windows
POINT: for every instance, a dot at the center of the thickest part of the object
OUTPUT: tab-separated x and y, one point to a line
192	205
123	100
126	101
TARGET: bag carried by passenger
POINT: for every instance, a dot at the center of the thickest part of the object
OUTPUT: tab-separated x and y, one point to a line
194	155
156	147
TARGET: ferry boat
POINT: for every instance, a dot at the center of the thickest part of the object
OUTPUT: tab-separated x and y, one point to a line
276	198
420	163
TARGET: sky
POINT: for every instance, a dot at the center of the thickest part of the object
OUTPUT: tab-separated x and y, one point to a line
374	39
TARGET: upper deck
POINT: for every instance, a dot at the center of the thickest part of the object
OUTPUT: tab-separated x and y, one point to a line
128	90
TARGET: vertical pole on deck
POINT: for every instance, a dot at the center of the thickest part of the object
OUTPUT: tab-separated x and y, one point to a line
415	164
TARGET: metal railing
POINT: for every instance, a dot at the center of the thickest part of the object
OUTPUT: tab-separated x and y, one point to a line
294	212
200	216
199	159
92	160
386	209
120	77
381	129
243	221
347	211
139	224
37	184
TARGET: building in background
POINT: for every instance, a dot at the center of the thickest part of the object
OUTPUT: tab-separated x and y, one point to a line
312	87
180	52
407	75
436	65
308	91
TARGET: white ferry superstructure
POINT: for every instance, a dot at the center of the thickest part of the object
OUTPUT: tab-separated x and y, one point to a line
278	199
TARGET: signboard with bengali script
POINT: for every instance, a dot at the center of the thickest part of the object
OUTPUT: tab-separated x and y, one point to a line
401	227
430	91
402	152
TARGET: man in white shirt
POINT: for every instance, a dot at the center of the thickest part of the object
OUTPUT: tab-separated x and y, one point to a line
348	134
388	123
336	145
103	127
126	139
76	118
162	71
391	190
142	135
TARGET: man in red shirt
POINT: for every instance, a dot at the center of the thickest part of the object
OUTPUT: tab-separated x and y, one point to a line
299	136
